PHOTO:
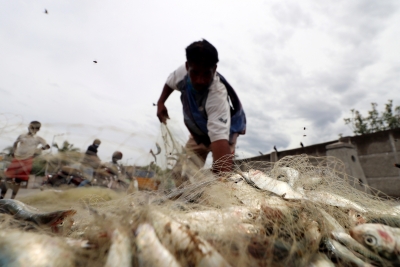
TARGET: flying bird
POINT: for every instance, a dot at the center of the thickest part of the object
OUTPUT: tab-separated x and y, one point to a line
154	104
275	149
304	135
261	153
45	11
304	128
301	143
95	61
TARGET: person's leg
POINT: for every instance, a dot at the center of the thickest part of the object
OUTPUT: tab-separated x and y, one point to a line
197	153
3	187
193	160
16	186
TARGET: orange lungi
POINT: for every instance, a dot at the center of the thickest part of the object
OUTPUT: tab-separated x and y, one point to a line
19	169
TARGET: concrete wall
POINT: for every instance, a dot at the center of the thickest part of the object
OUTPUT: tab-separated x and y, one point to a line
376	153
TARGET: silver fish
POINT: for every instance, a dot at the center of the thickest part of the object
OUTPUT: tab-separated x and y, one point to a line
25	249
312	232
356	218
23	212
291	174
339	234
247	195
379	238
150	250
188	248
120	253
238	213
334	200
343	253
362	251
262	181
237	217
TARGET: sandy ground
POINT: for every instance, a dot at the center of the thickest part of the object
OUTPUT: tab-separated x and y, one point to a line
23	192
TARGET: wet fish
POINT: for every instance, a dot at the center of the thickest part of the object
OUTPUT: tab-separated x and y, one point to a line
237	213
186	246
351	244
120	253
356	218
331	222
334	200
26	249
381	239
262	181
238	219
340	234
20	211
392	221
312	232
343	253
291	174
150	250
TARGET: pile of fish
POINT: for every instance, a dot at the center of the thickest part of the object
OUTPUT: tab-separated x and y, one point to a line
286	215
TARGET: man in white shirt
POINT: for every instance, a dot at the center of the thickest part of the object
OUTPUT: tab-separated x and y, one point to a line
25	147
212	111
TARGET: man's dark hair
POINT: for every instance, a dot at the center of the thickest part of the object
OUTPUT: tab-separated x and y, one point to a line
202	53
36	123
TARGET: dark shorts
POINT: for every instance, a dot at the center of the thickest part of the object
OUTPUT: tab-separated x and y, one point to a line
16	180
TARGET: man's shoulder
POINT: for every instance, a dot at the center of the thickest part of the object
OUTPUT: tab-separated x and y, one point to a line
24	135
217	88
176	77
39	138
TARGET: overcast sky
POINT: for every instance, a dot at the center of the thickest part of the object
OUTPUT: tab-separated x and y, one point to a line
294	64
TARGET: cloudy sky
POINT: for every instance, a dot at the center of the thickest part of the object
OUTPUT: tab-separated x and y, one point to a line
294	64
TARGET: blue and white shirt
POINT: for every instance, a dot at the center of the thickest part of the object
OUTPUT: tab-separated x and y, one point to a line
209	115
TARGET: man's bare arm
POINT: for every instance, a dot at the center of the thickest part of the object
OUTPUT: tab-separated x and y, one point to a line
162	112
222	157
15	145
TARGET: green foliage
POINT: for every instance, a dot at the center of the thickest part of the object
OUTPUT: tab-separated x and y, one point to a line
66	155
374	122
38	166
66	147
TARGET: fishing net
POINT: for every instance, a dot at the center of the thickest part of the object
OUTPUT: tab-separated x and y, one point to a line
234	215
248	226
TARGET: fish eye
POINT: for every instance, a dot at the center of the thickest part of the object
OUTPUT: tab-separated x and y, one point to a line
250	215
370	240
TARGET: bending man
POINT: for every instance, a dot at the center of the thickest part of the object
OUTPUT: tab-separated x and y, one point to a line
206	96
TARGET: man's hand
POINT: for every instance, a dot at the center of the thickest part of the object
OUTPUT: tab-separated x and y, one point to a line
222	156
162	113
45	147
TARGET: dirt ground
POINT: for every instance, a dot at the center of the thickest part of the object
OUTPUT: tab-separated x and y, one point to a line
23	192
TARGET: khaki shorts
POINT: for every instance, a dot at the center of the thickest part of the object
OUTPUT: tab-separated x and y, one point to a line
196	155
202	151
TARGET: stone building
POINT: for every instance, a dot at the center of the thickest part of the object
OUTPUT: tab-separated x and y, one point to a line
370	158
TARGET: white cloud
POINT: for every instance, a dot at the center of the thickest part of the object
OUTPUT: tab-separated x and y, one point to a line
293	64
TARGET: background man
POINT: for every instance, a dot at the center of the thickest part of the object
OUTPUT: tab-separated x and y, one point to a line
25	148
212	121
91	162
